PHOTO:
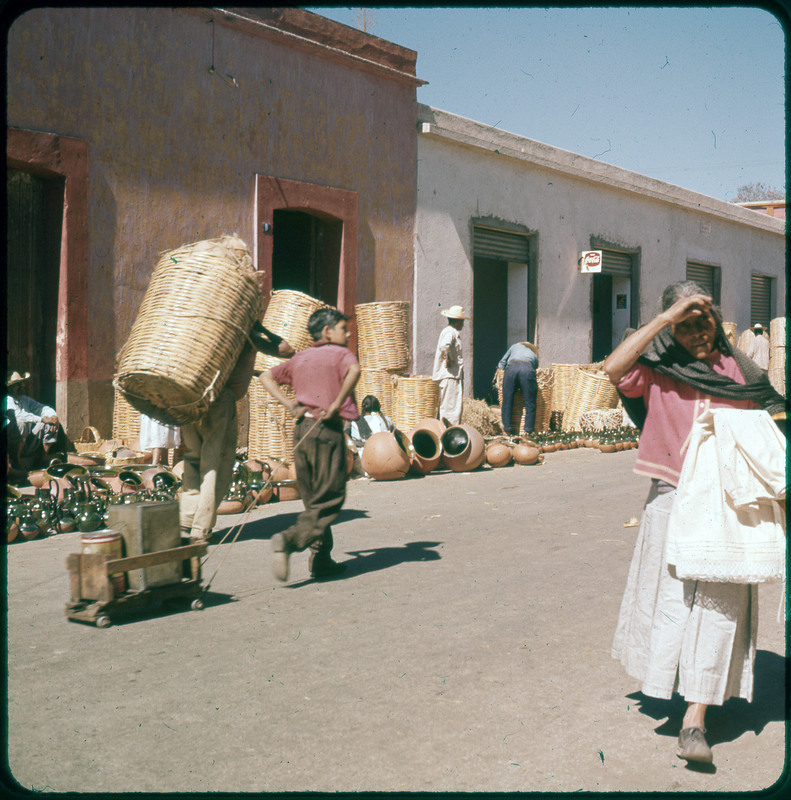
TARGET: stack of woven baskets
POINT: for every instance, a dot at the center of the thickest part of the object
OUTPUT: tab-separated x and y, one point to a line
197	312
777	354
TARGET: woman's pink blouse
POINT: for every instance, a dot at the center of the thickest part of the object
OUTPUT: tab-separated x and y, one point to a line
672	408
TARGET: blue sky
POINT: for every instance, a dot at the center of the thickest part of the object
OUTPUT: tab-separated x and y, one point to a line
691	96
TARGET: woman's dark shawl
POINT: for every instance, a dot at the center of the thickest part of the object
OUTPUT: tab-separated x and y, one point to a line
665	355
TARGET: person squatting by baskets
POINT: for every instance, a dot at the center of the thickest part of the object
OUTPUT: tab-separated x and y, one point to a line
692	636
449	365
370	421
209	445
519	366
323	377
32	429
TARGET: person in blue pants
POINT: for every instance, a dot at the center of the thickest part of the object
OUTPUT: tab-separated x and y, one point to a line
519	372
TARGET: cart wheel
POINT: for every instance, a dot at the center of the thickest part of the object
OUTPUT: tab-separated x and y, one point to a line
197	604
103	622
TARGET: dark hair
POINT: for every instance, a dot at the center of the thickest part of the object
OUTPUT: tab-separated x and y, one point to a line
321	318
675	291
370	405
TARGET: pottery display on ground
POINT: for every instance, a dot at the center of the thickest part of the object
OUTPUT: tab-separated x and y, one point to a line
463	448
525	454
428	449
499	454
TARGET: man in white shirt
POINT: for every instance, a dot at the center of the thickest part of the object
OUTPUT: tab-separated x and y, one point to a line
32	428
759	347
449	365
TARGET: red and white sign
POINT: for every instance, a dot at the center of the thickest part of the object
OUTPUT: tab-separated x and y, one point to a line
590	261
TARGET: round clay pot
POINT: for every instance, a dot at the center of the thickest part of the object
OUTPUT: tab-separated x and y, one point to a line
279	470
463	448
525	454
428	450
155	477
387	455
430	424
84	460
499	454
230	507
607	448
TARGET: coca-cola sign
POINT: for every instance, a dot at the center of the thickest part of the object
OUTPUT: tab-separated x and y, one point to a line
590	261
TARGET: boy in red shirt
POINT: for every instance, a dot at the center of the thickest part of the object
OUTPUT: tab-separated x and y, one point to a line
323	376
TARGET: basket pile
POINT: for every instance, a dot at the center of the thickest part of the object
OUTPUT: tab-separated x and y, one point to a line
415	398
601	419
271	428
777	354
383	335
287	315
199	307
591	390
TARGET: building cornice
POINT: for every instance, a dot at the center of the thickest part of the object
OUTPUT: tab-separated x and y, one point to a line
433	122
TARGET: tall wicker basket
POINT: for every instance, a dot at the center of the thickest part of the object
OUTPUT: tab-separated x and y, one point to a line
199	307
383	335
777	354
126	420
379	383
415	397
271	431
591	390
287	315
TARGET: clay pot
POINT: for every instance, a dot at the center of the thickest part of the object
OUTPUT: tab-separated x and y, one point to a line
124	481
230	507
463	448
525	454
609	447
499	454
178	470
279	471
387	455
428	450
84	459
158	477
430	424
109	445
289	491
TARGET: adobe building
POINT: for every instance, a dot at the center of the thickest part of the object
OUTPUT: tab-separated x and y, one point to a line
502	224
136	130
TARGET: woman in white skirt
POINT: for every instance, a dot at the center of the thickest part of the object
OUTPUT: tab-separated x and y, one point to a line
158	438
694	637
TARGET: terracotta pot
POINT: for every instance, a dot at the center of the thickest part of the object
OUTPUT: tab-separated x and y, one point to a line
607	448
387	455
525	454
37	478
230	507
124	481
430	424
278	470
428	450
156	477
264	495
463	448
499	454
84	460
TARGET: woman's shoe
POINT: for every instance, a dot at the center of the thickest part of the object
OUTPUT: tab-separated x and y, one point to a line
692	746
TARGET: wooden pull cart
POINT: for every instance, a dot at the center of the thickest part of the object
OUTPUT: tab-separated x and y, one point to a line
95	594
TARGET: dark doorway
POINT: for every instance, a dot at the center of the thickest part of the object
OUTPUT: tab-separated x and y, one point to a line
490	323
35	221
601	317
306	254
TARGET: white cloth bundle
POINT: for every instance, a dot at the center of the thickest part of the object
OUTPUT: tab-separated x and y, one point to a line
728	520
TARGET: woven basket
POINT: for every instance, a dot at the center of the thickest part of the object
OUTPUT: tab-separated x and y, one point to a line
126	419
745	340
200	305
731	333
89	441
287	315
415	397
564	376
379	383
545	378
139	457
591	390
601	419
383	335
777	332
271	432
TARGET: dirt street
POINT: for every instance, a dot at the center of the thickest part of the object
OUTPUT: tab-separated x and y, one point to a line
466	649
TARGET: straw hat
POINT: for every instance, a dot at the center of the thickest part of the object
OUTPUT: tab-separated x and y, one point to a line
17	377
530	346
454	312
757	327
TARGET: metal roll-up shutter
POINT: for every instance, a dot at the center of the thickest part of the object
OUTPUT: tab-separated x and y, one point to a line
616	262
760	300
501	245
703	275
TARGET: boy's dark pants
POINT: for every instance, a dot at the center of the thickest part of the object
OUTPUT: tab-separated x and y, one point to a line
320	461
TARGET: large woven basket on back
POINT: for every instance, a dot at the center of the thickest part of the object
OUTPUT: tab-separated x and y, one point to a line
271	428
591	390
126	419
196	314
383	335
545	378
379	383
415	397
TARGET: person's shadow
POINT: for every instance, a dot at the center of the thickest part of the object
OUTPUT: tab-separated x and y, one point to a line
266	528
376	558
736	716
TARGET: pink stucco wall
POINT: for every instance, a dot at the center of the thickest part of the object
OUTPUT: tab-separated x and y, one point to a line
174	150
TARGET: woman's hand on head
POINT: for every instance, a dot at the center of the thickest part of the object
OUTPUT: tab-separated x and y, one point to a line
686	308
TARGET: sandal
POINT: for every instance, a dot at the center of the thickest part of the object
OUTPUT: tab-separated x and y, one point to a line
692	746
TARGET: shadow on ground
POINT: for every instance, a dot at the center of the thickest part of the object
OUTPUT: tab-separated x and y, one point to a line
268	527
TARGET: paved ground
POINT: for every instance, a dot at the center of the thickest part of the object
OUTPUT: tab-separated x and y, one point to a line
466	649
